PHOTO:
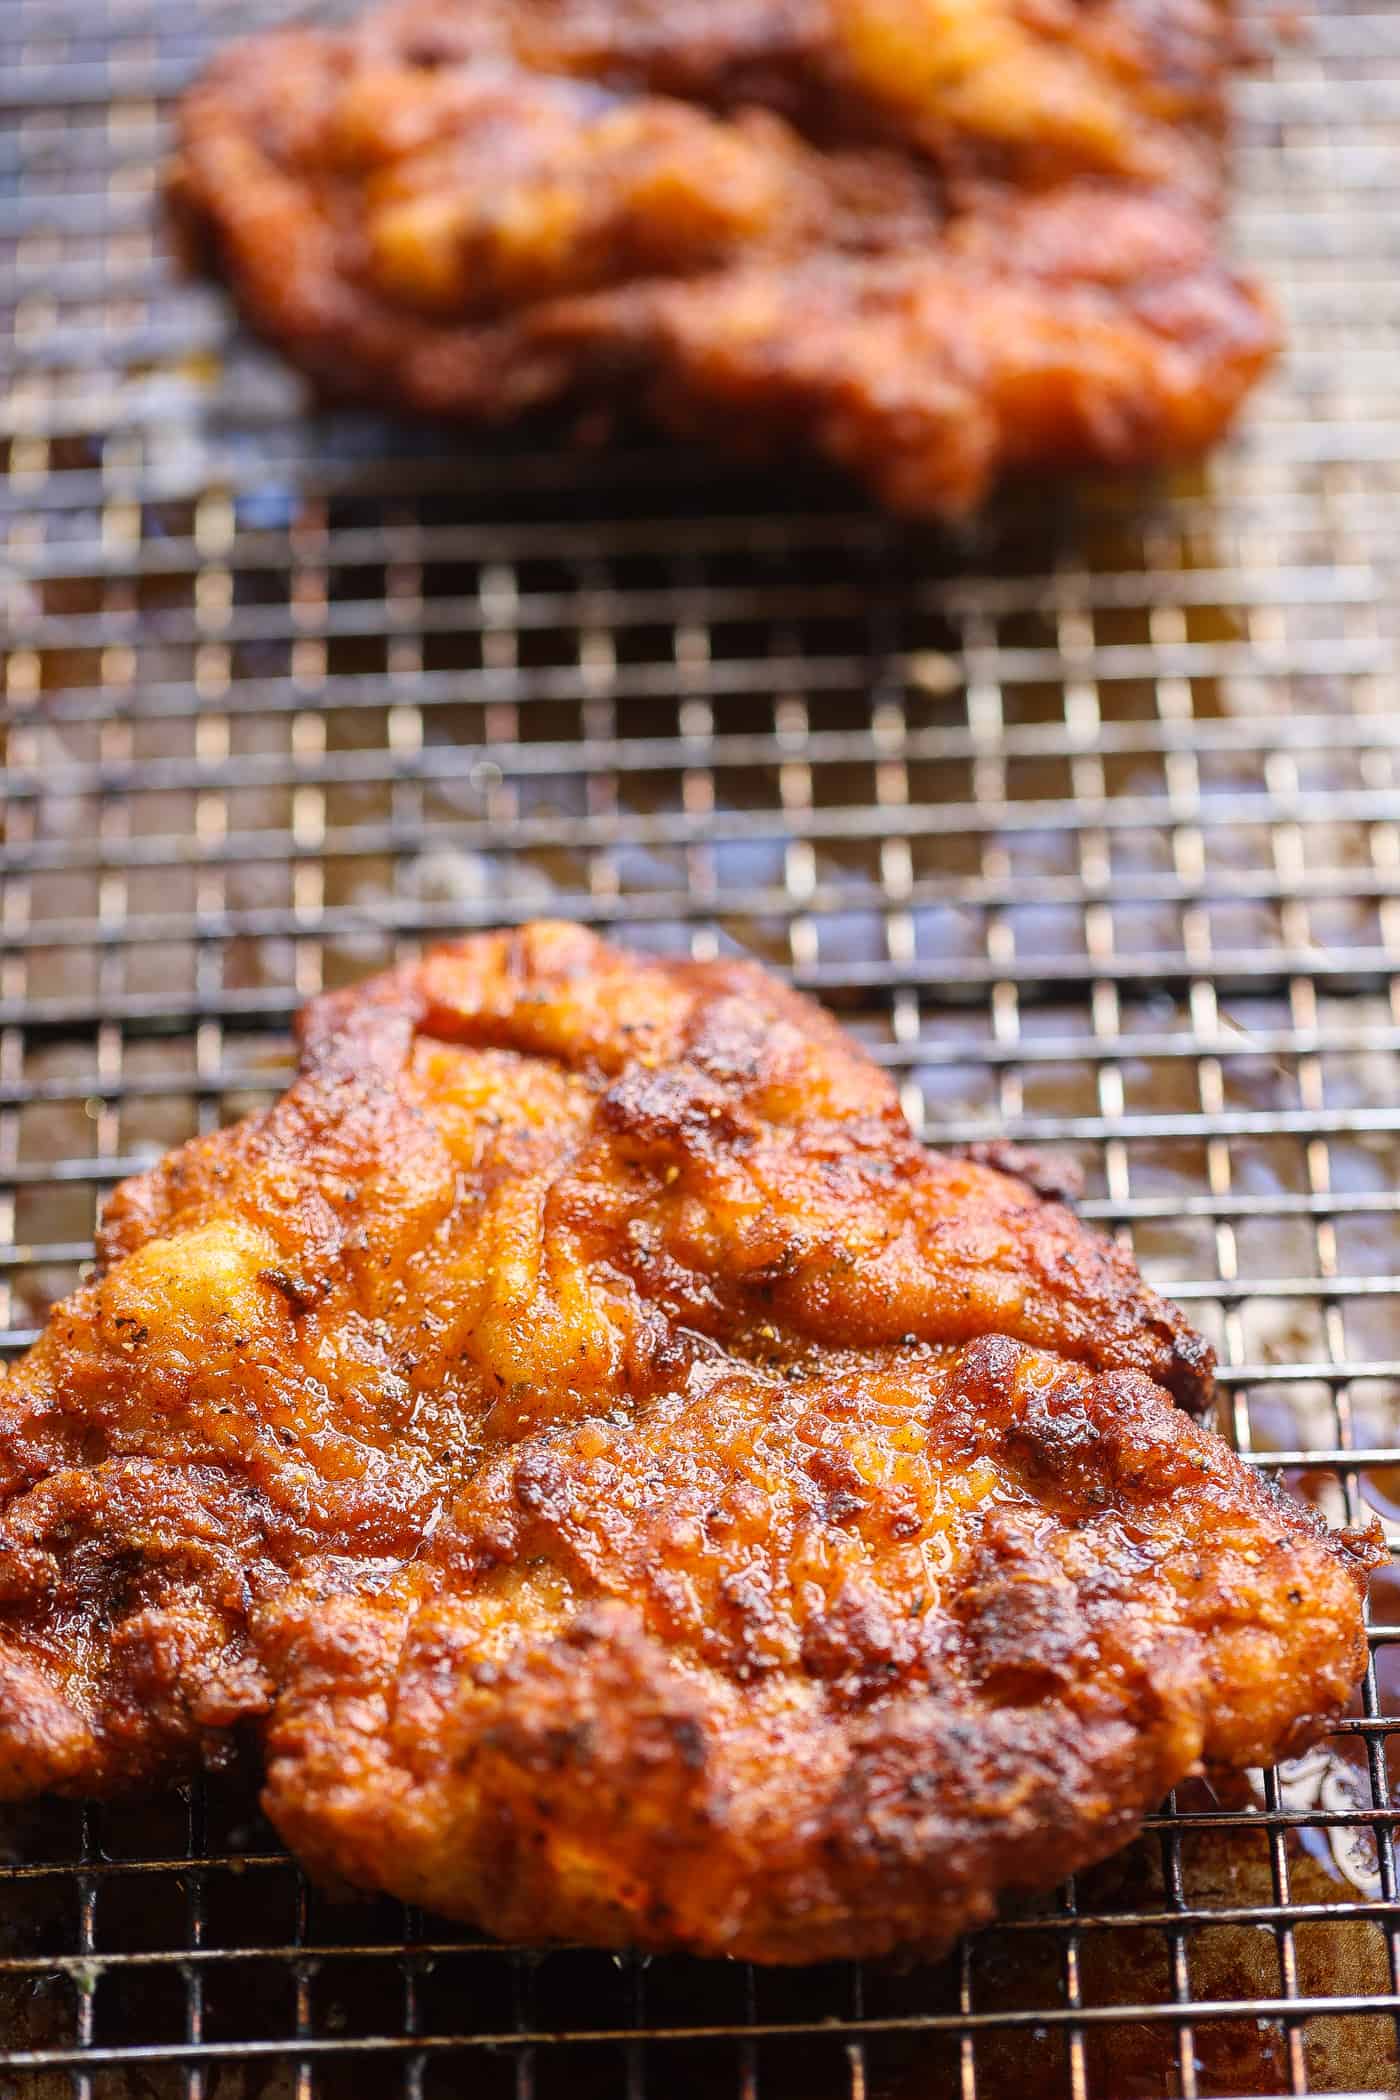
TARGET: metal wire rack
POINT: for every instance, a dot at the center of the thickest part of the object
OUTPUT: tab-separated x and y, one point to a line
1090	824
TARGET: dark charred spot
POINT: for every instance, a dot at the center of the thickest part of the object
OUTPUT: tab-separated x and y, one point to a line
831	1466
542	1483
1189	1374
689	1739
1051	1174
858	1643
1024	1630
1067	1451
572	1745
670	1109
300	1294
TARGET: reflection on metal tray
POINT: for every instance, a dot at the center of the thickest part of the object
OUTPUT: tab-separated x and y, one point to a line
1088	822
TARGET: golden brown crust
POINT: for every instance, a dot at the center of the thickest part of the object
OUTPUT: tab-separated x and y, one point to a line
933	238
637	1492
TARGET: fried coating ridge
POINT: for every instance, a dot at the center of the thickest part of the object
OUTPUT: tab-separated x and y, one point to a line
932	239
632	1490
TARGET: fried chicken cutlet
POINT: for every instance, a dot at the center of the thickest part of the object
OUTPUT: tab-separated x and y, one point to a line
932	239
632	1491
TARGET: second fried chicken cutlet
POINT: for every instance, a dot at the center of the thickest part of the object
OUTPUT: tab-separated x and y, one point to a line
632	1491
933	239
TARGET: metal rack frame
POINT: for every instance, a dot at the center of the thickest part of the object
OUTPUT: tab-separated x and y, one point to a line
1089	823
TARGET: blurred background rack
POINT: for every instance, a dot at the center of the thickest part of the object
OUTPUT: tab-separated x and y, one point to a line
1089	822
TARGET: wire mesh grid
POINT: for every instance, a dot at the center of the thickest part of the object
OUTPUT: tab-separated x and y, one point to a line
1088	823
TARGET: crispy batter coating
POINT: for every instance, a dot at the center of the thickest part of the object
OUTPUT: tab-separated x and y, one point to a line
932	238
632	1489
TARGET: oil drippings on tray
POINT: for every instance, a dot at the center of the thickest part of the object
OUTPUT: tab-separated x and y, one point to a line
1222	1870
